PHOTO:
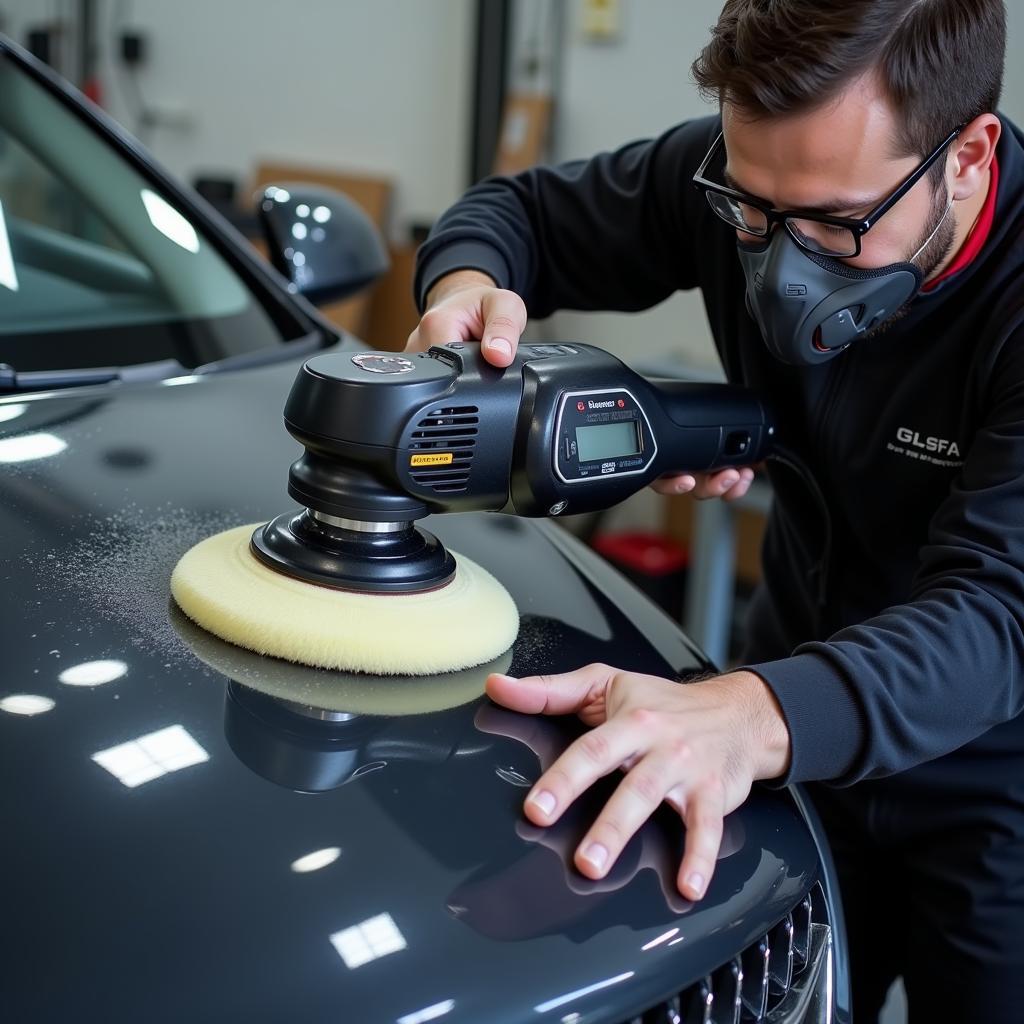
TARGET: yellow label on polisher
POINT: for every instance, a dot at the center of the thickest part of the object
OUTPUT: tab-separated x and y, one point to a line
435	459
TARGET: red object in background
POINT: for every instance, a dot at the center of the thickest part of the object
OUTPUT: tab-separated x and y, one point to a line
93	89
656	564
648	554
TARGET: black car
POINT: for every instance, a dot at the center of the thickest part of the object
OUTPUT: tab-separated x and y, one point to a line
193	833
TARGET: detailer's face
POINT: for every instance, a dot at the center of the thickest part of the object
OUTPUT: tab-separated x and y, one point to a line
842	159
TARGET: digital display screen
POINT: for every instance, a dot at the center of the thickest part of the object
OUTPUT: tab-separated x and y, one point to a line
608	441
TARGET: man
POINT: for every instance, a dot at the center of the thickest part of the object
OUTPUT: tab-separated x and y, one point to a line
855	220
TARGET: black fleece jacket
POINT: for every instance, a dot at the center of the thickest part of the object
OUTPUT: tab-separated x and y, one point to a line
907	641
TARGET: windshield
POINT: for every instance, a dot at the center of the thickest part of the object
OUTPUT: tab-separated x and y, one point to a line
97	267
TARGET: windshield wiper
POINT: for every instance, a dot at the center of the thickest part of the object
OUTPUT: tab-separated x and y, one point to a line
14	381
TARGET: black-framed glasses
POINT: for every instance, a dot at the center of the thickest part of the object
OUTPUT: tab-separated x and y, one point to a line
822	234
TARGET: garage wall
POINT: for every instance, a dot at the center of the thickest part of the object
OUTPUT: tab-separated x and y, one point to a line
1013	89
614	91
379	86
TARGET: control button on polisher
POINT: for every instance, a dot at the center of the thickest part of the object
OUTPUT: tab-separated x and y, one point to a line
551	350
737	443
447	354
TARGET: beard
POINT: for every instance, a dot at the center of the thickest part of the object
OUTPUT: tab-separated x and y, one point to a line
937	238
932	248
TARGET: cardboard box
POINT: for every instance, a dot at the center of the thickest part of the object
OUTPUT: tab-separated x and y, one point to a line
525	123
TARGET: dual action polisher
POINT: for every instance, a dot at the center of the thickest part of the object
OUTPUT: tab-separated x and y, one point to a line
392	438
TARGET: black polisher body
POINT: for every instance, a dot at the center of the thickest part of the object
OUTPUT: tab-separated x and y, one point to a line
390	438
400	436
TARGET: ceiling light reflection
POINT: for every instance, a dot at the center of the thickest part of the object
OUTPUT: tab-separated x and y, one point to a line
169	222
368	941
93	673
428	1013
302	210
316	860
321	214
8	275
26	447
152	755
581	992
12	411
26	704
660	939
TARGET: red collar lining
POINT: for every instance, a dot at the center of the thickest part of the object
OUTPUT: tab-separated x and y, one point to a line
976	240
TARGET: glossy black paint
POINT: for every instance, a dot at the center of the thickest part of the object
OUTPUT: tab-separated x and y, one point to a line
174	899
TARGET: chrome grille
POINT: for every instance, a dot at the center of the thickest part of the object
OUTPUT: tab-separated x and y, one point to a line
802	931
449	429
780	957
766	981
755	960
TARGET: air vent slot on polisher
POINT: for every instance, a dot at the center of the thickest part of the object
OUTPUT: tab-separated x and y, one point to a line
452	429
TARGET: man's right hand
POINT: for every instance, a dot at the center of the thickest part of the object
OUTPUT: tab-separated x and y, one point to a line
468	306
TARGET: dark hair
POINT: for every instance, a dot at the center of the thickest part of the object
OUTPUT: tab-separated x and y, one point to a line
941	61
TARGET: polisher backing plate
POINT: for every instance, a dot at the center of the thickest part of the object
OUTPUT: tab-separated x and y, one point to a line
221	586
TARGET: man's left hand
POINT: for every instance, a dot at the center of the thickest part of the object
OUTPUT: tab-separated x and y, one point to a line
697	746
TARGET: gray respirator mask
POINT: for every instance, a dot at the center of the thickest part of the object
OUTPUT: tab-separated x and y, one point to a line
811	307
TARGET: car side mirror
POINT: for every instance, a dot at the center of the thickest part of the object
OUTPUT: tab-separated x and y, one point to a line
320	240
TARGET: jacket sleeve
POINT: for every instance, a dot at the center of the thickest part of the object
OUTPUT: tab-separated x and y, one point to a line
925	677
606	233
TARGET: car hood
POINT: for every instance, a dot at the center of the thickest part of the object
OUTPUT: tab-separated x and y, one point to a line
156	817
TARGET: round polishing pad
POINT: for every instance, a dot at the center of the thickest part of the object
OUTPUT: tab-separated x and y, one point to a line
222	587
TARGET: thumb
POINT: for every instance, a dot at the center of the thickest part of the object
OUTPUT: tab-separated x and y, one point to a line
563	694
504	320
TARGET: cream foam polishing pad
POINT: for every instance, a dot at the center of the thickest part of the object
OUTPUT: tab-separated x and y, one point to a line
220	585
330	690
